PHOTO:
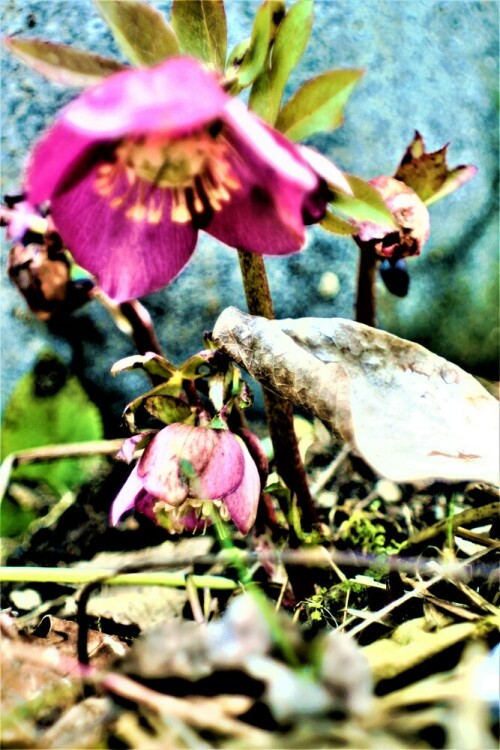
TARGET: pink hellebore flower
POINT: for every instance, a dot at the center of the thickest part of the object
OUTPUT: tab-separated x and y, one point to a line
184	471
412	218
136	165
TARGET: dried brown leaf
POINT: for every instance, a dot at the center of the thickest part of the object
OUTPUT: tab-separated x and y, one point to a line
412	415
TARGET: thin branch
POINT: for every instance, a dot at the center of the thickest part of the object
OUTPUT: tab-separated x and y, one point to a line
421	587
469	517
278	410
109	576
366	293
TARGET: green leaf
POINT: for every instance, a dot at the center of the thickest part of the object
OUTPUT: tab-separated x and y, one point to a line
61	63
201	29
454	179
141	31
318	105
66	416
290	43
254	56
152	363
366	205
260	100
14	520
428	174
236	57
167	409
164	389
200	364
336	225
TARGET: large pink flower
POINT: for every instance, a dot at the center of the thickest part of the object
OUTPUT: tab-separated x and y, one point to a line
136	165
184	471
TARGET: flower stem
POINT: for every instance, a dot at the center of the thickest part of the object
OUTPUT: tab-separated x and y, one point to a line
143	331
366	295
279	412
146	340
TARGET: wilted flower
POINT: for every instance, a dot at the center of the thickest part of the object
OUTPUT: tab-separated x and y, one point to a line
136	165
37	264
412	219
186	470
23	220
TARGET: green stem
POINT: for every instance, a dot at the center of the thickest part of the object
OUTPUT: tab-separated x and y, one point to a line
79	576
279	411
234	556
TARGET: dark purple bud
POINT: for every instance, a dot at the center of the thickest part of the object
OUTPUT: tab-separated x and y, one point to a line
394	274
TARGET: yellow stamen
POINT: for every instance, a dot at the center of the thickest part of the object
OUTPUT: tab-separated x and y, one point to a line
180	212
145	169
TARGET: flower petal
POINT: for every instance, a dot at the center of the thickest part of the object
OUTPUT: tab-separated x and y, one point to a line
266	214
183	461
242	503
175	97
58	152
160	469
125	500
224	470
258	220
192	523
326	169
129	258
129	446
268	146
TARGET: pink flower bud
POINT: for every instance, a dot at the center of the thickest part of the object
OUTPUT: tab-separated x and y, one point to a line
184	471
412	218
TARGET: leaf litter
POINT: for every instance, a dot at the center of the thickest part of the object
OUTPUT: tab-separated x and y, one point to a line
396	647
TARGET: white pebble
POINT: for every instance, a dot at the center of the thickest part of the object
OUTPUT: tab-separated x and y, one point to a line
329	285
388	491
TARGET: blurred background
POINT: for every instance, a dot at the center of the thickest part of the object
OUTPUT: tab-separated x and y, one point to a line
430	65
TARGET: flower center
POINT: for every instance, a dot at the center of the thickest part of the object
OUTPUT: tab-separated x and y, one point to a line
173	164
194	171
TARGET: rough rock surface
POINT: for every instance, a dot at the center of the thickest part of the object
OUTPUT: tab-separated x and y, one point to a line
430	65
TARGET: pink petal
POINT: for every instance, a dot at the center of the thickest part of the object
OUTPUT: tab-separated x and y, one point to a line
242	503
268	146
24	217
192	523
58	152
175	97
125	500
129	258
159	466
326	169
225	468
126	452
184	461
266	214
258	220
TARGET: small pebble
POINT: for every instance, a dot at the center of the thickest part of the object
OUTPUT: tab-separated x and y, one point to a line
329	285
388	491
26	600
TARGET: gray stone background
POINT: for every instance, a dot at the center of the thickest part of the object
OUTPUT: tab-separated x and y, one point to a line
431	65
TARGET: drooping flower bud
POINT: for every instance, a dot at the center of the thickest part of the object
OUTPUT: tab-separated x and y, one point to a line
186	470
412	218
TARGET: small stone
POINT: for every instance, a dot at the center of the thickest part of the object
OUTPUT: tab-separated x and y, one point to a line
388	491
26	600
329	285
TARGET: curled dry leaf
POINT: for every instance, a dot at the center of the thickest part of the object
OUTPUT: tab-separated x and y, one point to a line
412	415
